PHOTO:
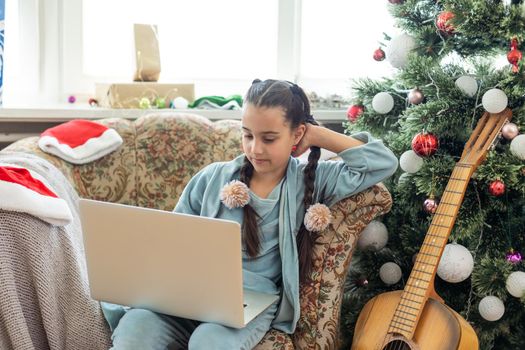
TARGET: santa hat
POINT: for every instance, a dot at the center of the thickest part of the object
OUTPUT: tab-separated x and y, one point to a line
21	191
79	141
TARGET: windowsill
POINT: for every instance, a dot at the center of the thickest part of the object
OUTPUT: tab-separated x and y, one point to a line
65	113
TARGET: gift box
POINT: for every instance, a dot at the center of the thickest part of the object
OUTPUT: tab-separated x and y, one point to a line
147	54
129	95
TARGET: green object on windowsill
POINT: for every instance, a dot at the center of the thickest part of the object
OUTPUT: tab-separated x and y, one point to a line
218	102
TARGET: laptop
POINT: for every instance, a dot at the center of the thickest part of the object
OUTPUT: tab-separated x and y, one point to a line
177	264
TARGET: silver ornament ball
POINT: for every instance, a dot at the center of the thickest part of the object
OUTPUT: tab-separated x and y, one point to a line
515	284
415	96
390	273
491	308
494	101
374	236
456	263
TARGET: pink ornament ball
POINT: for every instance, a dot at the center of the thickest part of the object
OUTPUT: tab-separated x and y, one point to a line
510	131
71	99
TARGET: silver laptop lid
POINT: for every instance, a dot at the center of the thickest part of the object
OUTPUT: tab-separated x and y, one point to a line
178	264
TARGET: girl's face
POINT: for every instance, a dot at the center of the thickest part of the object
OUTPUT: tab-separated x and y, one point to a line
267	139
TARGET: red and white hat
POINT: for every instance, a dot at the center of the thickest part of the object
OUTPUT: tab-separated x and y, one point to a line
21	191
79	141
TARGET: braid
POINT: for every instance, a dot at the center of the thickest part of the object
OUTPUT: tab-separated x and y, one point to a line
306	239
250	231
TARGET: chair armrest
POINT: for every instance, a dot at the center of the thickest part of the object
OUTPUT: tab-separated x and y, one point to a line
318	326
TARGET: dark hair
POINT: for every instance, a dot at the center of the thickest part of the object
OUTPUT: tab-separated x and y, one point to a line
292	99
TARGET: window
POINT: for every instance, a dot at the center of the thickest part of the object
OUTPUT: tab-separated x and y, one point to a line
338	38
219	45
199	39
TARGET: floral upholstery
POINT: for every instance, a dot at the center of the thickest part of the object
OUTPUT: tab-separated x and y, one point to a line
161	152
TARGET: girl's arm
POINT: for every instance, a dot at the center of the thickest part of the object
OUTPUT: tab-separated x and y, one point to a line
325	138
366	161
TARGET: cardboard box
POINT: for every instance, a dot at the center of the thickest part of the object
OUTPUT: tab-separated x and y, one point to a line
128	95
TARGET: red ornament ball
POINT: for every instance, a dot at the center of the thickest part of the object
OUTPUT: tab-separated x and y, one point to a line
379	54
93	102
514	55
497	188
430	205
425	144
354	112
442	22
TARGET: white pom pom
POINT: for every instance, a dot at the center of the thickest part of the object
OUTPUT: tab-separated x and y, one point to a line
456	264
383	103
491	308
410	162
468	85
494	101
516	284
517	146
180	103
390	273
398	49
374	236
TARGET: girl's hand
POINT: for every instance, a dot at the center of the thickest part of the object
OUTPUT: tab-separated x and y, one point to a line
307	141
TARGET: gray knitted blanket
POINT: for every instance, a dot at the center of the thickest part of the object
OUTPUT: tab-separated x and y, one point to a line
44	293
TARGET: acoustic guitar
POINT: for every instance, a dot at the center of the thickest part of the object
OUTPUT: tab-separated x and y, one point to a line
416	318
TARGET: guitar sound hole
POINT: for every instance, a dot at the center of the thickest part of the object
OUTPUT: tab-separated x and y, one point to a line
397	345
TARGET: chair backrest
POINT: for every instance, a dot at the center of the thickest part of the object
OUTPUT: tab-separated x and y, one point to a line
160	154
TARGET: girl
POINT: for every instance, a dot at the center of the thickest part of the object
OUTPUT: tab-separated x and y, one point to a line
268	191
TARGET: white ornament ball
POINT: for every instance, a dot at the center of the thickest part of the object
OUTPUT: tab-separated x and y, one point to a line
491	308
494	101
398	49
468	85
390	273
374	236
456	263
516	284
402	178
180	103
383	102
410	162
517	146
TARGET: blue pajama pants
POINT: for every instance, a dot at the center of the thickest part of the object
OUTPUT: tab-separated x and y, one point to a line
142	329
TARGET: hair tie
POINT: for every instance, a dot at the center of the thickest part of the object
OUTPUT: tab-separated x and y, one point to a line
235	194
310	119
296	90
317	217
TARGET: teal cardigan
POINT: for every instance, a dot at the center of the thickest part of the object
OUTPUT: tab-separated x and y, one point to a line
362	167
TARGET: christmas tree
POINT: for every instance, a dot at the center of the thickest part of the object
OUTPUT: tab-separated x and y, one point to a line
446	78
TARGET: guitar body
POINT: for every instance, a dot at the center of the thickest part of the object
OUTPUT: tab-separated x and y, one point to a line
439	327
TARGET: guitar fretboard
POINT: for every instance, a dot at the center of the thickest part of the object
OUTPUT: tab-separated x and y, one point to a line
422	276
